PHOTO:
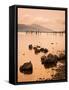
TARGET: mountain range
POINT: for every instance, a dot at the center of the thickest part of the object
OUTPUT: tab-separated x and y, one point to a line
34	28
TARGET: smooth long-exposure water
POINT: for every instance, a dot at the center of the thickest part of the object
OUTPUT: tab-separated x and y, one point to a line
54	42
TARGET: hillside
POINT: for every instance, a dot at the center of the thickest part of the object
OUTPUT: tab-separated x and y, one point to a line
33	28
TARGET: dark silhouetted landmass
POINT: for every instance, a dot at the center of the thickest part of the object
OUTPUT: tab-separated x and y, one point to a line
35	28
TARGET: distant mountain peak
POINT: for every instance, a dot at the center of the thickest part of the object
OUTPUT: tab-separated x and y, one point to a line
33	28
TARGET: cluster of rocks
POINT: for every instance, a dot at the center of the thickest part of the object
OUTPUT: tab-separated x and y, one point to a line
51	60
48	61
38	49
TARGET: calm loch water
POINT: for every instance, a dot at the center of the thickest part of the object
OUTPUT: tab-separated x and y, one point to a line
54	42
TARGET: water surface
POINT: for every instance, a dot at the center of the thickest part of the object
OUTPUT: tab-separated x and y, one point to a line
54	42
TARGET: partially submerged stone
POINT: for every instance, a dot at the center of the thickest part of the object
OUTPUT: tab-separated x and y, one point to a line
41	49
49	61
26	68
37	46
52	43
30	46
43	59
34	48
51	58
37	51
61	56
44	50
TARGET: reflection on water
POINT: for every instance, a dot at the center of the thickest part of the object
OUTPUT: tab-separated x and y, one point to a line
54	42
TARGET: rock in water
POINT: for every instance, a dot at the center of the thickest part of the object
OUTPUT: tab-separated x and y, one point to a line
61	56
26	68
51	58
49	61
45	50
37	46
34	48
30	46
41	49
52	43
37	51
43	59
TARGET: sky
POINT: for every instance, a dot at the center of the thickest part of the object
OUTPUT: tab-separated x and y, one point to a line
53	19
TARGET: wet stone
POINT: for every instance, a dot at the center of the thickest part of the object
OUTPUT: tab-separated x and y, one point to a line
30	47
61	56
49	61
43	59
26	68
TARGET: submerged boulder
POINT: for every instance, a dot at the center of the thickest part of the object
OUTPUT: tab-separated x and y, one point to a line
61	56
37	50
43	59
37	46
51	58
49	61
41	49
30	46
52	43
34	48
44	50
26	68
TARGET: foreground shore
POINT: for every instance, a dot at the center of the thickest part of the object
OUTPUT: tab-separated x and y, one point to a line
54	62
